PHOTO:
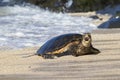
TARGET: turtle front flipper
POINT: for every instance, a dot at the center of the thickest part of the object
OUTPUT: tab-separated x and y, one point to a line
94	51
75	52
48	56
75	55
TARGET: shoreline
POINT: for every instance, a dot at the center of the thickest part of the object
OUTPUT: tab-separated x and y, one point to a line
104	66
12	61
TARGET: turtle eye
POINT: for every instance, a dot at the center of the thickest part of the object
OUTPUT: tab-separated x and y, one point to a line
86	38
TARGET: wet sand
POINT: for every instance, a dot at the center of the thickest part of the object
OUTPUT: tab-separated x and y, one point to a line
104	66
101	17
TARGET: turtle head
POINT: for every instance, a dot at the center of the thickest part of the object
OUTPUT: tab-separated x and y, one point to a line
86	39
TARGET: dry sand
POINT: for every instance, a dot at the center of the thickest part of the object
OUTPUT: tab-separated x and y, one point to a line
104	66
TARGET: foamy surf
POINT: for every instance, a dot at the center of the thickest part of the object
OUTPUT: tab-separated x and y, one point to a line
26	26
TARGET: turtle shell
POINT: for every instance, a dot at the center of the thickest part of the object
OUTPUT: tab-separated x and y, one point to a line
58	42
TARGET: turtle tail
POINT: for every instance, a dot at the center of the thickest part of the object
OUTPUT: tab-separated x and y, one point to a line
29	55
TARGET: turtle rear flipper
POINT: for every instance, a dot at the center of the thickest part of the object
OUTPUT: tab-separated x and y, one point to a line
48	56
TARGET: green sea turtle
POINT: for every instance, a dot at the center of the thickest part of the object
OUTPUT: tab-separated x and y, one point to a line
67	44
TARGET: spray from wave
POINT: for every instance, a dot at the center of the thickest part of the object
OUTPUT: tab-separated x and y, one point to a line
26	26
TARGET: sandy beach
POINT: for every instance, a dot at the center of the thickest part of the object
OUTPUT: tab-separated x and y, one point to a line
14	65
104	66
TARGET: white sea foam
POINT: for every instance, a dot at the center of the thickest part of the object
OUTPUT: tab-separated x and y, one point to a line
23	26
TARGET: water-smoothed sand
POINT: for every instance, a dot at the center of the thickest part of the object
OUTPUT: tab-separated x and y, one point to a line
104	66
101	17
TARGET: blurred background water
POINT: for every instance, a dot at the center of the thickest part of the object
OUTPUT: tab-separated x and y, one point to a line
27	25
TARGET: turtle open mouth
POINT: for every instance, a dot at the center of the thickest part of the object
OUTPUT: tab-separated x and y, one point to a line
86	38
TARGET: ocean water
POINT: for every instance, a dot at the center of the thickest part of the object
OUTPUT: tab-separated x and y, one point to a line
29	26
